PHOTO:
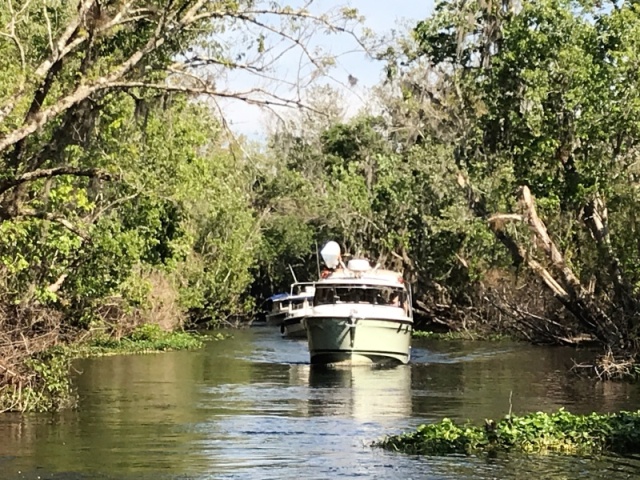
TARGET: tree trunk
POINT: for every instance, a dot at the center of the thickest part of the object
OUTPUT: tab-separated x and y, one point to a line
595	218
559	278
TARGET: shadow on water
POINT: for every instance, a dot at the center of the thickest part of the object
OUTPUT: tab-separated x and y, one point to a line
252	407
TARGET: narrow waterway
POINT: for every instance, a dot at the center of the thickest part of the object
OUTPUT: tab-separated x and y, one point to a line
251	407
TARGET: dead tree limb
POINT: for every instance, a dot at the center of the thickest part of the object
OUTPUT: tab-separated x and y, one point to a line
595	218
54	172
562	282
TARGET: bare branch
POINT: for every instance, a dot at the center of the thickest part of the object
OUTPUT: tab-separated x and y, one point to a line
245	96
11	35
10	104
55	286
113	204
505	217
199	61
283	34
595	217
54	172
62	47
52	217
537	226
49	29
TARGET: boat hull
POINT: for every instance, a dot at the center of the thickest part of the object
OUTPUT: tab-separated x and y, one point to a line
344	340
276	319
293	328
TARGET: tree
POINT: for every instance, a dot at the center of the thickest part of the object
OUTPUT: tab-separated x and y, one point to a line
67	65
545	97
116	174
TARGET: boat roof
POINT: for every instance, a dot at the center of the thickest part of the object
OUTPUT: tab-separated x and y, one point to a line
373	277
308	292
278	297
361	282
302	295
303	287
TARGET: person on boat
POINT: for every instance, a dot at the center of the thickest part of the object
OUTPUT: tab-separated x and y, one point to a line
356	296
395	299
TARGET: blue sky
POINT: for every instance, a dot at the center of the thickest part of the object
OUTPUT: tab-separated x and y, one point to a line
382	16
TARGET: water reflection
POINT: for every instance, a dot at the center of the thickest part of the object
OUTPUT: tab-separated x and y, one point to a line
464	381
252	407
361	392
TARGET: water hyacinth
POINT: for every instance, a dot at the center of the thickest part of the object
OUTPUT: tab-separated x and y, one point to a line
559	432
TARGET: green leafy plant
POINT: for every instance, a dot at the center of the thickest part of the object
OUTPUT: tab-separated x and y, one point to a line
559	432
143	339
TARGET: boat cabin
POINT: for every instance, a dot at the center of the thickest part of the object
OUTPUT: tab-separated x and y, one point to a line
358	283
370	294
284	304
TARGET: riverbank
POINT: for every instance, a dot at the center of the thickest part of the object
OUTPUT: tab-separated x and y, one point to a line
43	384
147	338
559	432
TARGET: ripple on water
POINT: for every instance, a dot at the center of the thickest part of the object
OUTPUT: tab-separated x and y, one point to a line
252	407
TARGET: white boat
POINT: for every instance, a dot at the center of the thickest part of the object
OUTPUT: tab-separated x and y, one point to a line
300	305
279	309
360	314
288	309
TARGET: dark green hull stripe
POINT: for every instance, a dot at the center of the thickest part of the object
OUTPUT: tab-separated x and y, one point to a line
360	352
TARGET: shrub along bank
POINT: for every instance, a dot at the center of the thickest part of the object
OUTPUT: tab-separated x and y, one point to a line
47	386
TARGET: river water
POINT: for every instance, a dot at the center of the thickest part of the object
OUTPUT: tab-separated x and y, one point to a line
251	407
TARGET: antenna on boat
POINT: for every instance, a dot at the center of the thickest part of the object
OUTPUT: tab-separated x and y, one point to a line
318	258
293	274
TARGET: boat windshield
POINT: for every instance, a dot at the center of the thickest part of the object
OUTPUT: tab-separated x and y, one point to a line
331	294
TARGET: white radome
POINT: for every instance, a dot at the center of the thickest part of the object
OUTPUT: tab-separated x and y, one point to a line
359	265
331	254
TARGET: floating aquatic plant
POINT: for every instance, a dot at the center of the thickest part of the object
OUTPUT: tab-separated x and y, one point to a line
539	432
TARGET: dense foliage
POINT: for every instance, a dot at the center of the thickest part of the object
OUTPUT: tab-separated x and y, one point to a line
143	339
123	199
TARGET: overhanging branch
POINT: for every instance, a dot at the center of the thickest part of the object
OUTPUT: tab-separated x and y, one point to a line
245	96
52	217
54	172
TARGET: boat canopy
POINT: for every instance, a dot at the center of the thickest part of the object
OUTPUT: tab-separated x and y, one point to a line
362	282
278	297
333	293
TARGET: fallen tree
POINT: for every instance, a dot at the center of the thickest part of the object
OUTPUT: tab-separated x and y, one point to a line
557	275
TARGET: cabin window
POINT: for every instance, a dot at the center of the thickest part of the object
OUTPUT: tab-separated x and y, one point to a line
389	296
299	303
